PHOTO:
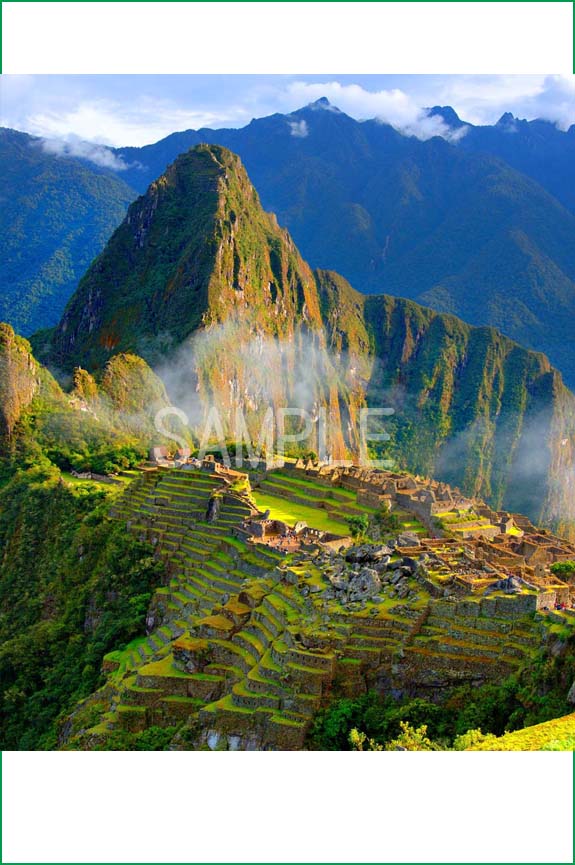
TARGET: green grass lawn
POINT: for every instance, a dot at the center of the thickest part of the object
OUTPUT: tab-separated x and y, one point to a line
335	497
288	480
288	512
70	479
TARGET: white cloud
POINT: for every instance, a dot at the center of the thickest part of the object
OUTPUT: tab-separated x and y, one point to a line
482	99
113	124
298	128
555	101
76	147
120	110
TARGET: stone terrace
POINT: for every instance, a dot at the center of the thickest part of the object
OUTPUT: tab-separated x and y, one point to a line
245	642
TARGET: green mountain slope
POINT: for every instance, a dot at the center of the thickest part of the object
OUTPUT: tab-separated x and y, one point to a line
470	405
452	226
56	214
73	585
197	257
99	425
198	253
196	250
482	228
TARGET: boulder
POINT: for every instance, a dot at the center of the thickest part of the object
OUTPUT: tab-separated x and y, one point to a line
339	580
367	553
408	539
410	564
364	585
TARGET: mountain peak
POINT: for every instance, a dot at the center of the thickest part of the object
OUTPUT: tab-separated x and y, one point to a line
196	249
506	120
447	114
322	104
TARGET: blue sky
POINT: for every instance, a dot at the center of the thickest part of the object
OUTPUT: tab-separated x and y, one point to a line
139	109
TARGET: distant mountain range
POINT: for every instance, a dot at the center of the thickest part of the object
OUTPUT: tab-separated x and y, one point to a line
56	215
210	291
483	228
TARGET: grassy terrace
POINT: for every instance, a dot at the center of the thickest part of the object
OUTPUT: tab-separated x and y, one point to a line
329	511
343	502
289	512
69	478
303	483
254	662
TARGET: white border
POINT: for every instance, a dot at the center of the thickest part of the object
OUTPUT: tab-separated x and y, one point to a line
311	37
288	807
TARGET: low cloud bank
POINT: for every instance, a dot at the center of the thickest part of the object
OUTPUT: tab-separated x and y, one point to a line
72	146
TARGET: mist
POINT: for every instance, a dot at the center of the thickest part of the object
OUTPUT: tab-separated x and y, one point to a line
219	367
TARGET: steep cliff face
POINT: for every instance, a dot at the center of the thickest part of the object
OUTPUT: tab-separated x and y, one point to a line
104	423
198	257
195	250
470	406
18	378
22	379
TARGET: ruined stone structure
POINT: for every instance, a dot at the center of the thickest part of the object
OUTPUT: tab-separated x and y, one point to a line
246	642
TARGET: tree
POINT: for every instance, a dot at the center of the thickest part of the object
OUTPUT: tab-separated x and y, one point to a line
357	741
564	570
471	738
412	739
358	526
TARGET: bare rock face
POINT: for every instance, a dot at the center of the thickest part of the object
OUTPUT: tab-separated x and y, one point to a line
213	509
408	539
19	379
571	694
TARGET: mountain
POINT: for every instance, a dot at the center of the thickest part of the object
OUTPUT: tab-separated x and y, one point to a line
196	249
447	224
136	614
56	214
203	284
481	227
98	424
537	148
470	405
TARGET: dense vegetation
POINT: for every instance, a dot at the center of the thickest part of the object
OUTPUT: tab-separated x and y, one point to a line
73	586
56	215
536	694
470	406
196	249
